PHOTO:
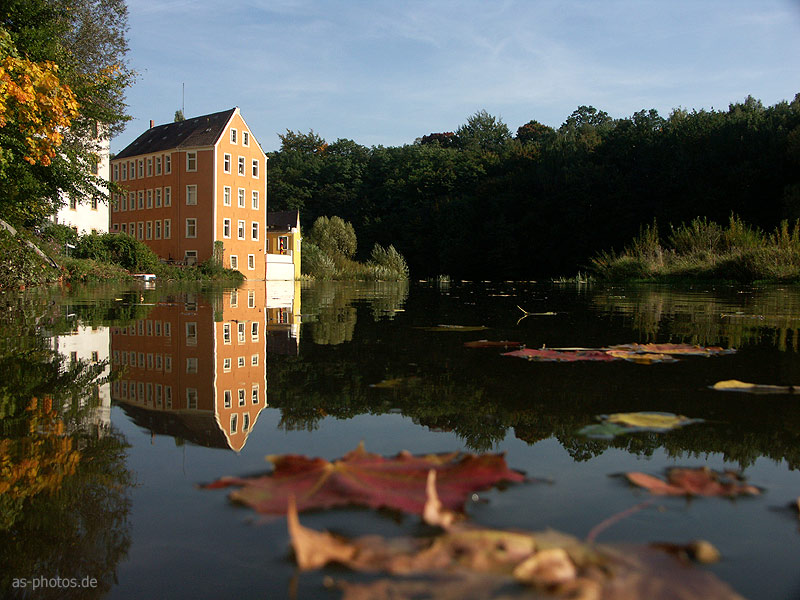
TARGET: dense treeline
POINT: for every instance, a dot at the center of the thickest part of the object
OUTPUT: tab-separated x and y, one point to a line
481	202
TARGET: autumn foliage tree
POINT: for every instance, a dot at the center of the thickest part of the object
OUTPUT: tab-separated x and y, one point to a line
62	82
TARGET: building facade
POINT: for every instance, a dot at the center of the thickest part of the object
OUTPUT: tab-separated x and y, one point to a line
91	216
196	189
283	245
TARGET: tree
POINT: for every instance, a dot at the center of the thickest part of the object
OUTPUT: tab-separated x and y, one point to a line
85	40
534	132
179	116
335	236
483	131
309	143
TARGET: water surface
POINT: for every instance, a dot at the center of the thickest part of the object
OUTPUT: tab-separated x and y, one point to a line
144	393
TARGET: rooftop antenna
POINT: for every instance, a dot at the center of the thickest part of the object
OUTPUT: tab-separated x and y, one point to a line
183	98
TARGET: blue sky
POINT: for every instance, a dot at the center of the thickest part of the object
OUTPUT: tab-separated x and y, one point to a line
384	72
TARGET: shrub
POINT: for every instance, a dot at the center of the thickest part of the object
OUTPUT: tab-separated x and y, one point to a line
393	264
335	237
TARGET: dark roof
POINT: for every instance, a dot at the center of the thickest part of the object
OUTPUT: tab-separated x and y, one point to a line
191	133
284	219
200	428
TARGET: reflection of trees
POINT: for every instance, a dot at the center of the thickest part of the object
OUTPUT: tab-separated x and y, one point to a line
333	310
64	481
733	319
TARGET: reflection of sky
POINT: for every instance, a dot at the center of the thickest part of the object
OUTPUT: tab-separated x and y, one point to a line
384	72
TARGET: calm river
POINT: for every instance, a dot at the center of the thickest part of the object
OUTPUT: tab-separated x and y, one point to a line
116	403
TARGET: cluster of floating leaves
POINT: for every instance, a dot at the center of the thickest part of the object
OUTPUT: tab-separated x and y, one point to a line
465	560
646	354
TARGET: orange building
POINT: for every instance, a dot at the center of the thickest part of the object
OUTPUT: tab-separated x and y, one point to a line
192	187
196	369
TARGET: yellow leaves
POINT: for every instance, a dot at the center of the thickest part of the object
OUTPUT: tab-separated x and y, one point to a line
650	420
36	103
734	385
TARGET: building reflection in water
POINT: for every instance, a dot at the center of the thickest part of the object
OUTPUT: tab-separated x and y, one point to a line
195	366
283	317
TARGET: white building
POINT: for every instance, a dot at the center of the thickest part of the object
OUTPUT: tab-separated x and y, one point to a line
91	216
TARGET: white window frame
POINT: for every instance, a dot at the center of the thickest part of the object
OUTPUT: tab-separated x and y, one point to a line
191	162
191	195
226	163
240	396
251	262
251	298
241	198
167	229
254	360
191	222
167	164
245	138
226	365
255	200
226	195
158	197
234	262
256	167
254	230
191	398
233	136
226	228
191	333
227	398
168	196
241	166
158	165
241	332
158	229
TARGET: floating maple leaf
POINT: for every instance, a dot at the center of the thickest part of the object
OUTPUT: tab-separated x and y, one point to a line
368	479
646	354
694	482
547	355
734	385
492	344
622	423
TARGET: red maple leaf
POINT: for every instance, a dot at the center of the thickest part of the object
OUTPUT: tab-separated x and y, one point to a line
367	479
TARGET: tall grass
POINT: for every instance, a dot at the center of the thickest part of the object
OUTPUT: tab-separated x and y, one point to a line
704	249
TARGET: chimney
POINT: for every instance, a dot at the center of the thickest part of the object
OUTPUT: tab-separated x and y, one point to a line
152	123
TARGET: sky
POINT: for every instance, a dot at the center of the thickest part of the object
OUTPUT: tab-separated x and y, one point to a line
385	72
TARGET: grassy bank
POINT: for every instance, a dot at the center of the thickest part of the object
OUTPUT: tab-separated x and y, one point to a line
93	258
703	250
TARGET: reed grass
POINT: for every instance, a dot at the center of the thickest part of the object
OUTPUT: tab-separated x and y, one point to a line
705	250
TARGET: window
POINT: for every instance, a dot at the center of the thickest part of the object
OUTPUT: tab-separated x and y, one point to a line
233	423
149	230
226	195
251	261
190	257
167	329
241	396
226	333
141	168
149	198
140	227
150	361
168	164
132	200
255	168
245	138
73	203
140	361
124	201
191	333
226	163
191	365
234	298
254	394
283	244
132	229
158	197
227	395
241	197
168	363
149	167
124	171
159	362
255	199
168	395
254	331
141	199
116	172
245	422
158	230
191	228
240	362
251	298
167	229
226	365
233	136
167	196
234	262
124	228
226	228
191	398
159	395
158	323
94	203
254	360
241	165
240	230
241	331
191	194
191	161
158	165
254	230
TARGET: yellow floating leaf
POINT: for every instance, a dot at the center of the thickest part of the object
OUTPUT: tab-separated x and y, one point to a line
650	420
734	385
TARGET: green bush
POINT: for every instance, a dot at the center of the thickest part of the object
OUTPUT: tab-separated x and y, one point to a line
120	249
392	264
20	266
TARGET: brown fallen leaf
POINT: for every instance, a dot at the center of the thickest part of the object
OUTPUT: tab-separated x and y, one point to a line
468	562
367	479
693	482
492	344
